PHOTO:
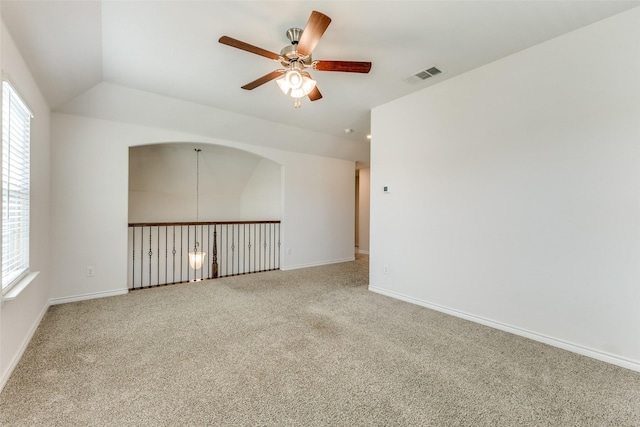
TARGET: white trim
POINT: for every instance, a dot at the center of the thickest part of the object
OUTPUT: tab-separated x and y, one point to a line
584	351
7	78
317	264
362	251
83	297
6	375
14	290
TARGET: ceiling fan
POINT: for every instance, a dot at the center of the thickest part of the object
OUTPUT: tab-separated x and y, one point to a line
294	79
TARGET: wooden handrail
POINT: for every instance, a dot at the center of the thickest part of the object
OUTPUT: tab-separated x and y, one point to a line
162	224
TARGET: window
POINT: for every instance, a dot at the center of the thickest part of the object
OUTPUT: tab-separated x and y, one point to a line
16	124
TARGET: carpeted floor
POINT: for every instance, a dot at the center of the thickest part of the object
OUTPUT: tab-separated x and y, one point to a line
305	347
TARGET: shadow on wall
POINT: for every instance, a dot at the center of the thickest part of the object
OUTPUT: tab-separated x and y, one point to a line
234	185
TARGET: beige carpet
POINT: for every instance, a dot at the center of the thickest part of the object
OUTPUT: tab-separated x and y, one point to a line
306	347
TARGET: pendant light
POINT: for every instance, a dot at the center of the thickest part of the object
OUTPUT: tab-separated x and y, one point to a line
196	257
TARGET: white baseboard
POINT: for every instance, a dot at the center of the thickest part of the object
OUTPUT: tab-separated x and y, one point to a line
584	351
317	264
23	347
83	297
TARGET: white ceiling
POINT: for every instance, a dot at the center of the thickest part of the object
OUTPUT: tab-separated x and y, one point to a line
170	48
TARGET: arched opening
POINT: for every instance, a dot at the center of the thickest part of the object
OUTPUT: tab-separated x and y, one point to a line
234	184
229	206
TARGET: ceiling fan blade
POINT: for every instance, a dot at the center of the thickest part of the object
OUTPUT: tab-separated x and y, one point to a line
313	31
344	66
248	47
315	94
262	80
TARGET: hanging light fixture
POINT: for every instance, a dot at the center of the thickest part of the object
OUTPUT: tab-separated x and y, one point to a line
196	257
296	82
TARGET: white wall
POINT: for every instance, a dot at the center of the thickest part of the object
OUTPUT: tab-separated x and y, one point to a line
363	210
515	193
178	207
89	191
318	210
261	198
20	317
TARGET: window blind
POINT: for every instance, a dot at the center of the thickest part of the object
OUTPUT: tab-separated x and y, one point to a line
16	128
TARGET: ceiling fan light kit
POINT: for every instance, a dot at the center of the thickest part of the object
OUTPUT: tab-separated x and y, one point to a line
294	80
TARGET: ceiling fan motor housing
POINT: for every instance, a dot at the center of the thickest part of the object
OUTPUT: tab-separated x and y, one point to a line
290	52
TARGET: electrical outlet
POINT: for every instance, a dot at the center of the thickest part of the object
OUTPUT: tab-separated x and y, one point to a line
90	272
386	269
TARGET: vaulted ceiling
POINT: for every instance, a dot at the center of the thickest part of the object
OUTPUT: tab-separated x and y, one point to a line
85	54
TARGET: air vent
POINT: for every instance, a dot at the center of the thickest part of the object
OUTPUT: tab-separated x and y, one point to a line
422	75
433	71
